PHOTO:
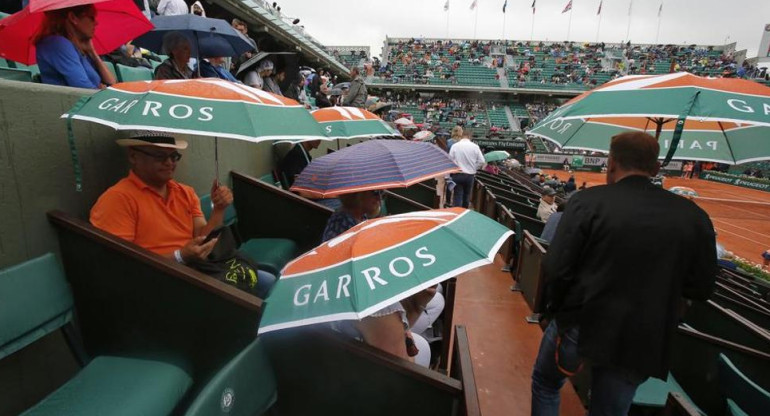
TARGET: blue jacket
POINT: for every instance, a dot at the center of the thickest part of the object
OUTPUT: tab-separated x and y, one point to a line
61	63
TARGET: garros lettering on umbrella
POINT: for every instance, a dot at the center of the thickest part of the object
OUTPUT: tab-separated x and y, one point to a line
744	107
117	105
178	111
399	267
560	125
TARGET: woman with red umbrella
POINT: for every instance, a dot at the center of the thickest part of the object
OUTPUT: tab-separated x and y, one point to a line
65	49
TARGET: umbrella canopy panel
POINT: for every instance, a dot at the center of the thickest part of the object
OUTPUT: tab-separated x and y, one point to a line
352	122
725	120
375	164
380	262
496	156
207	107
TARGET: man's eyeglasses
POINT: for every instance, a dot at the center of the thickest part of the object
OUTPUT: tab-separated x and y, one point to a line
161	157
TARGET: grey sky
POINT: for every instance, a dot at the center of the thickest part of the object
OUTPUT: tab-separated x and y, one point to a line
366	22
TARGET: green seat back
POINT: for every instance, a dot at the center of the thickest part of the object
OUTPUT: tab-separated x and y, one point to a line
746	394
12	74
3	63
127	73
111	67
35	300
245	386
207	207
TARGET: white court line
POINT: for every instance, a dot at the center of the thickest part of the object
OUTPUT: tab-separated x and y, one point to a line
744	229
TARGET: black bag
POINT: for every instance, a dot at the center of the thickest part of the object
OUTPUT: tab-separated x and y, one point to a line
227	264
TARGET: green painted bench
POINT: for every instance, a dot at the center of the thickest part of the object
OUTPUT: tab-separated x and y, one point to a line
743	396
132	302
35	300
271	254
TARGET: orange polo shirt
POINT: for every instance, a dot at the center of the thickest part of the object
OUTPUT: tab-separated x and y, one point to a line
135	212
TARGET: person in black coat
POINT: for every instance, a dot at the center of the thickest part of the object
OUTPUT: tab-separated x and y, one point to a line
622	258
296	160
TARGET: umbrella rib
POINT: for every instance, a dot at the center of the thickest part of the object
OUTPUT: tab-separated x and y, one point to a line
730	148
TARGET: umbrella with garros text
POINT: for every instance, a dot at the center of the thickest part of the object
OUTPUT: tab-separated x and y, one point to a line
371	165
723	120
380	262
204	107
352	122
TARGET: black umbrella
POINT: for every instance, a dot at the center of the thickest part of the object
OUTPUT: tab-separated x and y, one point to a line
208	37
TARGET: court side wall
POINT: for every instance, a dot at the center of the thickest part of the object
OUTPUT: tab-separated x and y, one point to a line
36	172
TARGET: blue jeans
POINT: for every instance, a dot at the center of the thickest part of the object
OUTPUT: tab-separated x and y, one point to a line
265	282
612	389
463	189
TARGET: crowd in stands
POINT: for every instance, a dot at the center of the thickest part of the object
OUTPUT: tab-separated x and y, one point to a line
540	65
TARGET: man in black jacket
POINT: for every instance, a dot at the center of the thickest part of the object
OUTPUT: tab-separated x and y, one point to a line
621	260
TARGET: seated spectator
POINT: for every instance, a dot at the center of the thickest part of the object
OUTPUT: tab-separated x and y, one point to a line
212	68
492	168
172	7
296	160
256	78
177	46
547	204
322	95
197	9
272	82
240	26
65	49
150	209
553	222
389	328
570	187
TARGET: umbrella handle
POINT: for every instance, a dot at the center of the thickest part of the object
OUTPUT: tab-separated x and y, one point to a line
216	159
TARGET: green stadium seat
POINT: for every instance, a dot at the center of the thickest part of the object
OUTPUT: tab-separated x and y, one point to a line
251	367
127	73
35	300
654	392
744	397
111	67
13	74
271	254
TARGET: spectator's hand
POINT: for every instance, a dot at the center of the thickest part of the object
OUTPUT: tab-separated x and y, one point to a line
195	250
221	196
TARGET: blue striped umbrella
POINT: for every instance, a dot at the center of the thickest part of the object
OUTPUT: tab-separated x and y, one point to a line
375	164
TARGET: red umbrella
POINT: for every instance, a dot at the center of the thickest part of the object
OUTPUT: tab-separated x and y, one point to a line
119	21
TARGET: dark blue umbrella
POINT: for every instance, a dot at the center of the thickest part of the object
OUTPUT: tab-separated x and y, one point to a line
208	37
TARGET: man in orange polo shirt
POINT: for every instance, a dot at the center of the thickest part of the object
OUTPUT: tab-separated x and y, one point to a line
154	211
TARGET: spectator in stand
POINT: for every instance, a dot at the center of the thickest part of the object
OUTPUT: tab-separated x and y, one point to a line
213	68
177	46
65	49
553	222
237	61
617	312
256	78
547	204
172	7
322	95
570	187
296	160
467	155
197	9
357	94
150	209
394	327
272	82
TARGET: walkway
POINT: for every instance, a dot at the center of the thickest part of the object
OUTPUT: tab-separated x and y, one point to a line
502	344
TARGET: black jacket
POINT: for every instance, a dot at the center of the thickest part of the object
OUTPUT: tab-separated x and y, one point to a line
294	162
621	259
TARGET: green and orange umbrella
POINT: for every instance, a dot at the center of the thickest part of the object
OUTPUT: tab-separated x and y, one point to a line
695	118
380	262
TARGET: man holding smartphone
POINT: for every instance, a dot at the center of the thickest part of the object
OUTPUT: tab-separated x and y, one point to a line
152	210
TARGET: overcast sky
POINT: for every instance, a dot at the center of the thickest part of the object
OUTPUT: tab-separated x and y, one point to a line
367	22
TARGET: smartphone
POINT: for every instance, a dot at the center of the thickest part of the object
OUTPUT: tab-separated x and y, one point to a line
213	234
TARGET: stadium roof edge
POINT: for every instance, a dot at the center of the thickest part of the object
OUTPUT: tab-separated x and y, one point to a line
253	13
466	88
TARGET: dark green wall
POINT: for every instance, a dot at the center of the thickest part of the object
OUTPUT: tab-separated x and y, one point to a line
36	172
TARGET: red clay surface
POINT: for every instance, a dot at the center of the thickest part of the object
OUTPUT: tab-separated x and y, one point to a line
741	216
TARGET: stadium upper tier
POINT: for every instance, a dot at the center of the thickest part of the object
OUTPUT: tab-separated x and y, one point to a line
551	66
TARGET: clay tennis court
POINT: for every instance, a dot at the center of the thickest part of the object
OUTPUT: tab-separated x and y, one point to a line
741	216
